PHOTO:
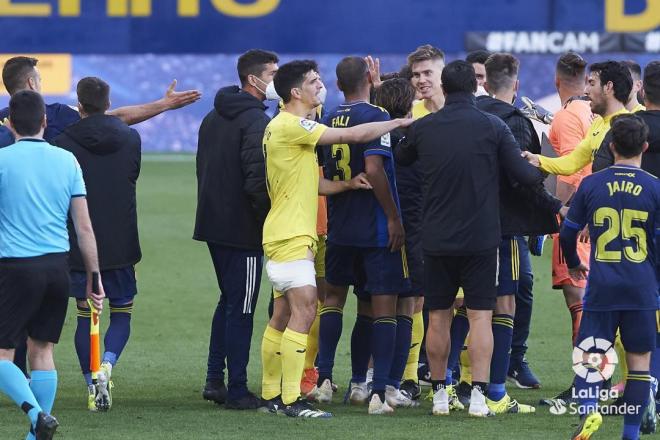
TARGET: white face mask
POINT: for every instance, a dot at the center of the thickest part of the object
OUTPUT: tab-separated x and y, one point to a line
270	92
323	93
481	91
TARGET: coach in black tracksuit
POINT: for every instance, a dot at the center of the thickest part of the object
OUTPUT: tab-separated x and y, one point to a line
461	149
232	204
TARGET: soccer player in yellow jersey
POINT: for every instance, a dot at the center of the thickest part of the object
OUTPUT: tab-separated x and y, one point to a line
427	63
290	238
608	90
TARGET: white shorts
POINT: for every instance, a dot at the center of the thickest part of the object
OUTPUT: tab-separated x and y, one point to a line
292	274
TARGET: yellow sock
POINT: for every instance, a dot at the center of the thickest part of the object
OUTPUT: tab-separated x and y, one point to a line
621	353
313	340
466	372
271	363
293	349
410	373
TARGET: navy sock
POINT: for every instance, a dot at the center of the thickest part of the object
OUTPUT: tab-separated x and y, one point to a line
636	396
499	364
361	348
382	349
401	349
591	391
118	332
460	326
330	326
655	362
81	340
14	384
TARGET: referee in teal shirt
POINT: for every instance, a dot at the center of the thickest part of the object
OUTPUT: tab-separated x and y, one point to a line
39	185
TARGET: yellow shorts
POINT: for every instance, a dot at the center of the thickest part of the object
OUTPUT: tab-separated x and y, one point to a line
292	249
319	260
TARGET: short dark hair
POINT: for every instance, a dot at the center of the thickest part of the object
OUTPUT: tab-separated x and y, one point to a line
629	132
616	73
635	69
459	76
17	71
652	82
478	56
396	96
425	53
93	95
501	71
406	72
351	74
26	112
571	66
291	75
253	62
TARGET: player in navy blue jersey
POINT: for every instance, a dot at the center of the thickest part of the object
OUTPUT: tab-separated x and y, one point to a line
621	206
365	249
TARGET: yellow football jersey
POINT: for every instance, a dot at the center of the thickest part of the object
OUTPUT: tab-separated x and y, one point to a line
419	110
583	154
292	177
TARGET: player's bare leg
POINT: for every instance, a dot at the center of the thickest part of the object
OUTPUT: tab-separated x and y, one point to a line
438	344
480	351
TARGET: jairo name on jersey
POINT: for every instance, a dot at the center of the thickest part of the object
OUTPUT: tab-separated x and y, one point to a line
624	186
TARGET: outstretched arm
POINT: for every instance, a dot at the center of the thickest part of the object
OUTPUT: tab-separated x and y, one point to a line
362	133
135	114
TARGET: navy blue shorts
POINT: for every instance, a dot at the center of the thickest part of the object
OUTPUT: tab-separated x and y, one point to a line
639	328
120	285
415	258
508	274
372	270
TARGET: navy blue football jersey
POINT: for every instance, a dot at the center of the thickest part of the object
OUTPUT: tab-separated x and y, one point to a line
621	206
58	117
355	218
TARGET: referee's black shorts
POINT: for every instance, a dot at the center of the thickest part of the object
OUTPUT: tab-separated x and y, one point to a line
34	294
476	274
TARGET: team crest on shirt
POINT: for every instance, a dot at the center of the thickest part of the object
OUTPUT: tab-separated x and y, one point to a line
307	124
385	140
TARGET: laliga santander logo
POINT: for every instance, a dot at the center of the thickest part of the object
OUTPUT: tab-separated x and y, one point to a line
594	359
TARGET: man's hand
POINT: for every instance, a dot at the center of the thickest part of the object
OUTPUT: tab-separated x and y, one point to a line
95	297
174	99
532	158
359	182
396	233
579	273
374	70
405	122
583	236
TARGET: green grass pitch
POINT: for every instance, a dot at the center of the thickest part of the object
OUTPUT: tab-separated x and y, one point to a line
159	378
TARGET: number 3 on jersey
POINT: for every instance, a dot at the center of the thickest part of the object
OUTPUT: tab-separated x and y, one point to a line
342	155
621	223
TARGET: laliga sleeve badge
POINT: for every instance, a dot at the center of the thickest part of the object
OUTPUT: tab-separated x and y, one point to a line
385	140
307	124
